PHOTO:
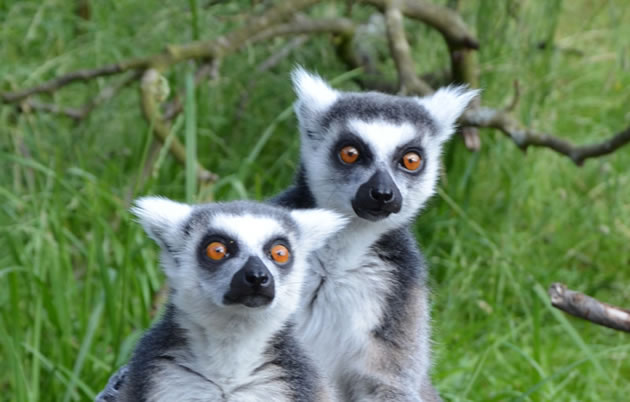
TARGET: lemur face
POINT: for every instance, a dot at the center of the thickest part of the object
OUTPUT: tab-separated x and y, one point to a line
372	155
238	256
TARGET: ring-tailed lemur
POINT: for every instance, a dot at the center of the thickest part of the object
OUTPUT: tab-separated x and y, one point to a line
374	158
235	272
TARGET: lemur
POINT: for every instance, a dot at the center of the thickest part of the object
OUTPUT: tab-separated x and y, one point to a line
235	273
374	158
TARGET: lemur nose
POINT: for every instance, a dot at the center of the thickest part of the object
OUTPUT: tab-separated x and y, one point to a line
383	195
256	278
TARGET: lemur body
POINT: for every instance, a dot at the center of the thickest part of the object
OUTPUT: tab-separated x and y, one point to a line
235	272
374	158
364	314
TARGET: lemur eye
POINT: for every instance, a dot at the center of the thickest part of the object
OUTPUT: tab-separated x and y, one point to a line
280	253
349	154
412	161
216	251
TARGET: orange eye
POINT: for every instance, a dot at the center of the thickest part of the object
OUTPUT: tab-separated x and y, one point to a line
412	161
280	254
349	154
216	251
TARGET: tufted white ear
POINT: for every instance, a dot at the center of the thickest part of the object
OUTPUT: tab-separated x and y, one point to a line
446	105
314	94
317	225
159	216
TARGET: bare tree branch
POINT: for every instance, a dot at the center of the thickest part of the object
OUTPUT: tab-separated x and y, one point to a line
150	89
524	137
409	82
588	308
56	83
30	105
444	20
173	54
81	112
302	25
270	24
484	117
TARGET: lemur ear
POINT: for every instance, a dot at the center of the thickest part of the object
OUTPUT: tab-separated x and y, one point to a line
314	94
446	105
317	225
159	216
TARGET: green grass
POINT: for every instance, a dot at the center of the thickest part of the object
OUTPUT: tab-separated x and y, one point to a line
79	280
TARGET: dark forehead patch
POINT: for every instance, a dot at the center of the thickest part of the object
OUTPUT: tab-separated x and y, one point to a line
202	214
373	105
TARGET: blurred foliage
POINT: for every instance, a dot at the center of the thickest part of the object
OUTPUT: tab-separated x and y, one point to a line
79	279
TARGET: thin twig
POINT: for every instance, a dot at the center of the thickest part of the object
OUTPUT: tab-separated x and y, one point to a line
29	105
302	25
173	54
56	83
161	128
82	112
409	82
524	137
515	98
588	308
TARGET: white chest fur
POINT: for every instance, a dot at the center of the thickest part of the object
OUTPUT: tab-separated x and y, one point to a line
177	383
214	367
344	301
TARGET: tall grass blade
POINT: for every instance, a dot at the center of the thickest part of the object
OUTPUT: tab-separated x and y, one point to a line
95	319
191	137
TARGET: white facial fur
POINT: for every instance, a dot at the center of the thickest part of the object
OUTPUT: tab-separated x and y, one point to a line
385	124
199	291
446	105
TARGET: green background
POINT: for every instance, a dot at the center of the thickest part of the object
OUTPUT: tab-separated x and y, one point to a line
79	281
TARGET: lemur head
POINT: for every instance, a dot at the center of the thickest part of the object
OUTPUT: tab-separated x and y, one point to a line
236	257
373	155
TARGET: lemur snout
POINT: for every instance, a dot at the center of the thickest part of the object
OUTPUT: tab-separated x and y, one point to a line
252	285
384	195
377	198
256	278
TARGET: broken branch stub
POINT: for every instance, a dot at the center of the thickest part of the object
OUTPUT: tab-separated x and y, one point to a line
588	308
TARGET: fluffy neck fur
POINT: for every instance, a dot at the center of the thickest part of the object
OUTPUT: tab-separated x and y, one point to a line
225	345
